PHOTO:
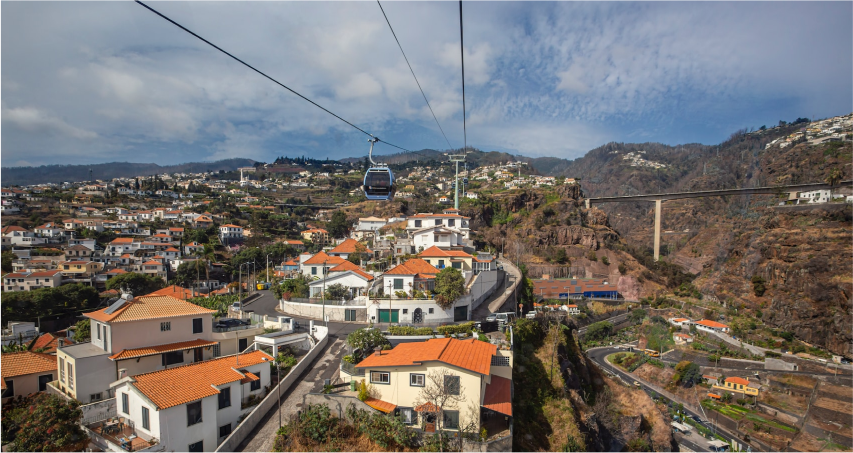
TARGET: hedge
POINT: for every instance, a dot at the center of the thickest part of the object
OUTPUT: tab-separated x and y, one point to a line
409	330
459	328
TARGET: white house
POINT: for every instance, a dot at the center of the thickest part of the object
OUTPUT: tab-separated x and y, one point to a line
27	281
347	274
680	322
370	223
710	326
438	236
193	407
319	264
413	275
230	233
449	218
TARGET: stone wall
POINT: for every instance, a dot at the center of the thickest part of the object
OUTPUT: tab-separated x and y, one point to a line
335	313
338	404
783	415
500	444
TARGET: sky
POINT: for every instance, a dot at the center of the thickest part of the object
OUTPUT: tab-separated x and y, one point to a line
92	82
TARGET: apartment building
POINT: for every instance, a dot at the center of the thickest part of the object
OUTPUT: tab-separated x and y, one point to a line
26	281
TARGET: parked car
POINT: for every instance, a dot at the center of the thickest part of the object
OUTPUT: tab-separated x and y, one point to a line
637	384
492	317
236	306
504	317
530	315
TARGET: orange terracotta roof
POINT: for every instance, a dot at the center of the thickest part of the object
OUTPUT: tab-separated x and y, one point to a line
293	242
149	307
348	246
420	216
316	230
122	241
160	349
49	342
680	319
181	385
250	377
176	229
716	397
709	323
349	266
499	395
737	380
291	263
152	263
171	249
117	271
381	406
323	256
11	228
413	266
26	362
473	355
435	251
174	291
230	225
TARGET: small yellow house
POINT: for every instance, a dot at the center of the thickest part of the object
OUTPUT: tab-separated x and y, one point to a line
478	371
80	269
739	385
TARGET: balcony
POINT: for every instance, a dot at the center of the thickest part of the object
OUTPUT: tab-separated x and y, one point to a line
119	434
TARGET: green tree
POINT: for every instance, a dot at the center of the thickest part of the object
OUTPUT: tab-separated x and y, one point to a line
835	175
365	340
449	286
561	257
67	300
337	292
637	315
359	255
338	226
43	422
599	330
623	269
138	284
687	373
83	331
8	256
758	287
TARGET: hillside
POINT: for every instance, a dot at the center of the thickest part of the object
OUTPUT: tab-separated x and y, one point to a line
60	173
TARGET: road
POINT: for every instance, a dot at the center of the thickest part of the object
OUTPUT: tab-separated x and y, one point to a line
500	301
598	355
266	305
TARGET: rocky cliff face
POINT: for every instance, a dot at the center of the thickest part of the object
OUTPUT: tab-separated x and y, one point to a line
803	256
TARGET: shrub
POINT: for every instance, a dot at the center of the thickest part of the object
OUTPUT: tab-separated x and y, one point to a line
605	261
401	294
466	327
758	287
592	256
623	269
316	422
363	391
349	359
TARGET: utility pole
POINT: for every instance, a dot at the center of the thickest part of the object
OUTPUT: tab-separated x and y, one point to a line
324	294
456	158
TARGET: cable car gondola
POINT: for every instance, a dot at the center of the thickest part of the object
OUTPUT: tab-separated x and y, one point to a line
379	182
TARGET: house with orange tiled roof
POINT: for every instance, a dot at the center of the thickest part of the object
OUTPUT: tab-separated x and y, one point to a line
710	326
350	275
295	243
348	247
26	372
203	221
48	342
316	235
27	281
193	407
230	233
740	385
133	336
449	218
414	275
440	258
479	371
319	264
153	267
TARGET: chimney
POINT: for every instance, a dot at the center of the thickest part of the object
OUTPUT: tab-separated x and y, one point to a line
60	342
379	352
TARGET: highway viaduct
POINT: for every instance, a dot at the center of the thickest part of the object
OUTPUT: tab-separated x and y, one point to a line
792	190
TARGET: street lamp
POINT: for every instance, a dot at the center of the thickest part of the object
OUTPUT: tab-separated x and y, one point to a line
268	267
325	323
390	317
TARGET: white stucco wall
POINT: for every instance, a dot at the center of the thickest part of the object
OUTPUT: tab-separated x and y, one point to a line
137	334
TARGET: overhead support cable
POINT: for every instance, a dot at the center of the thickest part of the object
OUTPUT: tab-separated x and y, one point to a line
265	75
462	53
413	73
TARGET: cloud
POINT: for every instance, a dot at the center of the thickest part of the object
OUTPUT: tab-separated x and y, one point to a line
541	78
32	120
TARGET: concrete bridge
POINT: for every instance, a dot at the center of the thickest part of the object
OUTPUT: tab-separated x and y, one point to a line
792	190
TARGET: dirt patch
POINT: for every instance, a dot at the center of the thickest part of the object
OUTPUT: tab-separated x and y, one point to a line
840	391
845	407
655	375
636	402
796	379
791	403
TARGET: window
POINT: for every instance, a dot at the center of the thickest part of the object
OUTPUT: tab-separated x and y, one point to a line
95	397
405	310
225	430
440	264
398	283
10	388
255	385
193	415
438	222
61	370
407	414
145	416
198	326
349	314
198	446
170	358
457	265
431	310
225	398
418	223
99	331
71	376
313	271
451	222
125	403
216	351
377	377
451	419
43	380
165	326
416	380
451	384
242	344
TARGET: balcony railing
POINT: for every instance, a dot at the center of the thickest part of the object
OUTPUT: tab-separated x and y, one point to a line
350	369
222	329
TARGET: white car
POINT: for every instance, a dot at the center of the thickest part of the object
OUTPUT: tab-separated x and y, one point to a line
236	306
530	315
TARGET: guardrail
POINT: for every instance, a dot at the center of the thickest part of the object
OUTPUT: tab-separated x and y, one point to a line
350	369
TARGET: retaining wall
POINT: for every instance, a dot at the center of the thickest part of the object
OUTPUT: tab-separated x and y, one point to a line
783	415
338	404
245	428
485	285
335	313
500	444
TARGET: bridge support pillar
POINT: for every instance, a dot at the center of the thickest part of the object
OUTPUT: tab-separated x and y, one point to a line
657	228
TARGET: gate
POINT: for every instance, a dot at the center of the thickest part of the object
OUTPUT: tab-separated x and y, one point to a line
460	314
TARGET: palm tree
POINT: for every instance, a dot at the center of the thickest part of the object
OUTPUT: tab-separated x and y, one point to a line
835	175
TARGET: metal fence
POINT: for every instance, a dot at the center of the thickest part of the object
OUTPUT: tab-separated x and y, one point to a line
350	369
